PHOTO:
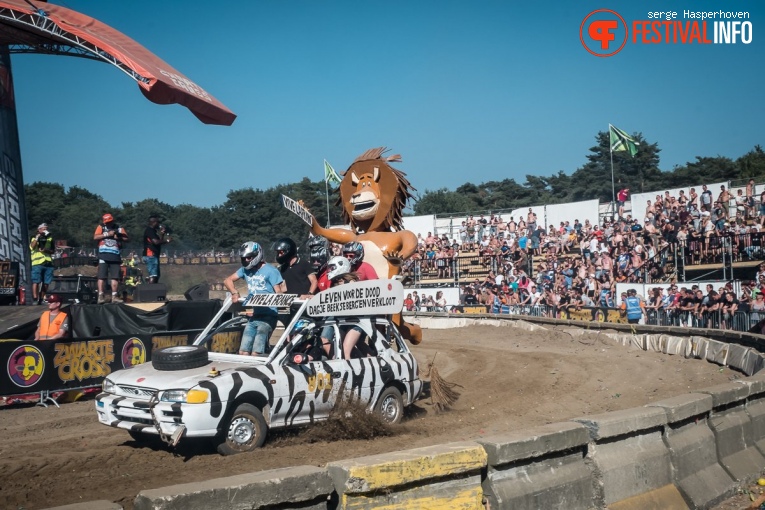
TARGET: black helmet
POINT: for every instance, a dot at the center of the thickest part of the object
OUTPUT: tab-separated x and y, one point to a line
285	249
356	249
318	251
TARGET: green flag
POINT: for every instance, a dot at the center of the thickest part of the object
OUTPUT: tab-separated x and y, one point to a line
621	141
330	176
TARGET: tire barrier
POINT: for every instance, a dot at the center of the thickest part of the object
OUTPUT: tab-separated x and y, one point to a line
688	451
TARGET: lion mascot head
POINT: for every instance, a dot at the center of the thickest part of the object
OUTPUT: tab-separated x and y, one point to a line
373	193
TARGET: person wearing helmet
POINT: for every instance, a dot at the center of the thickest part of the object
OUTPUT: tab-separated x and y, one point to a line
110	237
261	278
340	271
318	253
308	349
354	252
298	274
54	323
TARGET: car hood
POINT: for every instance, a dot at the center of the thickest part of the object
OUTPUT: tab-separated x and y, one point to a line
146	376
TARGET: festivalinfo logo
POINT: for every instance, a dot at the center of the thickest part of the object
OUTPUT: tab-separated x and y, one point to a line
605	32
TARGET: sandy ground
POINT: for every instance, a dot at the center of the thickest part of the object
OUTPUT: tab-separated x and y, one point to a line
511	379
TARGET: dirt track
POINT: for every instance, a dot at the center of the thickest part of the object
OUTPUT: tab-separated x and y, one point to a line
511	379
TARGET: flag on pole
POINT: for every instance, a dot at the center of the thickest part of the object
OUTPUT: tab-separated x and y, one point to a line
330	176
621	141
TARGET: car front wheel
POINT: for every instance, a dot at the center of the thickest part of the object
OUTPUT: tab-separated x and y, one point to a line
390	406
245	431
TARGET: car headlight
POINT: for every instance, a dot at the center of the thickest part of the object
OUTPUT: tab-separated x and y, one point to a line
108	386
185	396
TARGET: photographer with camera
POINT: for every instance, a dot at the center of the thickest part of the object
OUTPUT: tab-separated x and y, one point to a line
42	248
110	237
154	237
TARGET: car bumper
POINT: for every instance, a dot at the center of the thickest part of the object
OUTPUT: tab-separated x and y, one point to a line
151	417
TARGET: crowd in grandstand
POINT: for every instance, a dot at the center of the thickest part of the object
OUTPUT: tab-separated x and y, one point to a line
575	264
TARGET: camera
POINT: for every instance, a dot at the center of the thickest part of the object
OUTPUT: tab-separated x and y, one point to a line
165	229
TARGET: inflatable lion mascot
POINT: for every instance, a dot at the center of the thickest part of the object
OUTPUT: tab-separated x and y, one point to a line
373	195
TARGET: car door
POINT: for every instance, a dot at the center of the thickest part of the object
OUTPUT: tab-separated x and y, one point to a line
303	393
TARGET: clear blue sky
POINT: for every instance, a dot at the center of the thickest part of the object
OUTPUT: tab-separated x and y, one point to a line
466	91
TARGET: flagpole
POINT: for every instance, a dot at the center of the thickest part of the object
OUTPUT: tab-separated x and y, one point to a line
613	186
326	188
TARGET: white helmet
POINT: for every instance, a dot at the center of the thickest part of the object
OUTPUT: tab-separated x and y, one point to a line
251	254
338	266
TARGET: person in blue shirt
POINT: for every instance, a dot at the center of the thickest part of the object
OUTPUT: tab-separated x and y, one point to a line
261	278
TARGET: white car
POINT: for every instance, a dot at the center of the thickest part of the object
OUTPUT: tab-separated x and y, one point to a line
188	391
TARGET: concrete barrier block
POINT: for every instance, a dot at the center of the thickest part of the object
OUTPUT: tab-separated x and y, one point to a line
675	345
440	476
553	481
734	438
654	343
89	505
756	410
682	407
534	442
740	358
693	452
627	421
633	465
756	384
296	487
727	393
759	364
699	347
717	352
542	467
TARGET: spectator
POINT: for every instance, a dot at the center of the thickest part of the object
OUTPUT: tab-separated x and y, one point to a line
42	248
54	323
706	199
110	237
621	197
154	237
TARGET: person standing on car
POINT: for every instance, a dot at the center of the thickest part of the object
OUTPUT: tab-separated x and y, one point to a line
42	248
54	323
261	278
299	275
354	252
110	237
318	253
154	237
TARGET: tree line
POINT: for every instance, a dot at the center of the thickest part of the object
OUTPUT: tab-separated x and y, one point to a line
257	214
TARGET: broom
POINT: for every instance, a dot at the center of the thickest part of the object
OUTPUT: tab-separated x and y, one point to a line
442	393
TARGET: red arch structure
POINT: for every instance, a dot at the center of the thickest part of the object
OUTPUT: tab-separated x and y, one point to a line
40	27
33	26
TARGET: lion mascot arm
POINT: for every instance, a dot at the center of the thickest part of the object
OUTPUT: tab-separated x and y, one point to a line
334	235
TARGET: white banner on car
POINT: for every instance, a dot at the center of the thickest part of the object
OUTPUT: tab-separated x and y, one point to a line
282	300
370	297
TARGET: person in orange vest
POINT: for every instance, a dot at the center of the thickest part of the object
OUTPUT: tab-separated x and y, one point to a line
54	323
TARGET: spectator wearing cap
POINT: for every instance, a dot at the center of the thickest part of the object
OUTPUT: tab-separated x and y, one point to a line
42	248
54	323
110	237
